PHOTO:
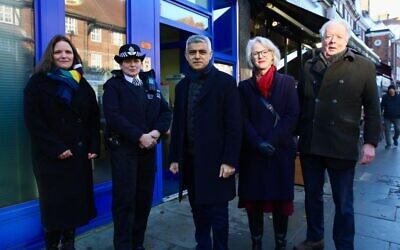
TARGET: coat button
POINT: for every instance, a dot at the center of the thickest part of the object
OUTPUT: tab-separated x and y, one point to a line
334	101
80	144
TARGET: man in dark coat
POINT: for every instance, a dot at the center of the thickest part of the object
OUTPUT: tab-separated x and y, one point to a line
336	84
136	116
390	107
205	142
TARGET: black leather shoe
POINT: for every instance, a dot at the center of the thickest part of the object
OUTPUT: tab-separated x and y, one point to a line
310	245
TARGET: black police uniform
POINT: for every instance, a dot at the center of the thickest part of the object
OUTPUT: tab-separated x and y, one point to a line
130	112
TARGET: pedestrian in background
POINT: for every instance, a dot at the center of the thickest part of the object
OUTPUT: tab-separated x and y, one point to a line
62	117
136	116
270	111
205	142
390	107
336	83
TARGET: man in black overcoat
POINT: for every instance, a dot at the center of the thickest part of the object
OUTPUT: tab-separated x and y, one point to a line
336	84
205	142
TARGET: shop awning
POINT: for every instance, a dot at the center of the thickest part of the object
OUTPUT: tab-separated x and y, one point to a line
384	70
358	44
294	22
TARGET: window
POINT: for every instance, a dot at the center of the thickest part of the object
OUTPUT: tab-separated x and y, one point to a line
17	51
202	3
182	15
98	57
95	35
9	15
398	52
70	26
117	38
95	61
115	65
398	73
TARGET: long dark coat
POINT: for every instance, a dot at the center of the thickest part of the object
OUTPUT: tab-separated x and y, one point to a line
268	177
330	118
217	136
65	186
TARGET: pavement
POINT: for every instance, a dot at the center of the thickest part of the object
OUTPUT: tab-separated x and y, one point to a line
377	214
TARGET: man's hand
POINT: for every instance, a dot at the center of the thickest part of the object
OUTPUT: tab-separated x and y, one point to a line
174	167
147	141
66	154
155	134
367	154
225	171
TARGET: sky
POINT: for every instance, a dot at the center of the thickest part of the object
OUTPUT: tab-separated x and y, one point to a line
385	6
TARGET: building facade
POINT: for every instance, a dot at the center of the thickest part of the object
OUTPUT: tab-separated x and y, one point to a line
97	28
160	27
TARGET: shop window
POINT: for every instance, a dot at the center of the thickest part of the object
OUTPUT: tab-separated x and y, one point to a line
17	50
100	23
202	3
182	15
95	35
70	26
227	68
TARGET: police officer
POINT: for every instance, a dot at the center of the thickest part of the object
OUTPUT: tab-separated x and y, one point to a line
136	116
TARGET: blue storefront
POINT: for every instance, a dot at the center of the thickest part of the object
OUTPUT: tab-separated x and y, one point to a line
97	28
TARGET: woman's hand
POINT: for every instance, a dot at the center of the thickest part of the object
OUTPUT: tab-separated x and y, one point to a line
91	156
66	154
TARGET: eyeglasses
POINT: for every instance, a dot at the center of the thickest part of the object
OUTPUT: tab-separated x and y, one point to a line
262	53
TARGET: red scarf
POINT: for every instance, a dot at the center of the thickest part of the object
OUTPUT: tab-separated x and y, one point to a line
265	81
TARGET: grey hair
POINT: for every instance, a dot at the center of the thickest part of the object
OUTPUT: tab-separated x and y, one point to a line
322	31
198	39
268	44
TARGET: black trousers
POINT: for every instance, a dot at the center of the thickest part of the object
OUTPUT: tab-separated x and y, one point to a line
133	173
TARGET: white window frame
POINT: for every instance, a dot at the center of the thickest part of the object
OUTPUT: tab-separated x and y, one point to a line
398	51
7	15
115	65
117	38
71	26
96	61
95	35
398	73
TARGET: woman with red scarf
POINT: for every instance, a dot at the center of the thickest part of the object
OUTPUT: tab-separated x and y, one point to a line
270	110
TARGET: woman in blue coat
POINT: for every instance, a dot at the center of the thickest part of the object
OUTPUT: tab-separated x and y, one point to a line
270	110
